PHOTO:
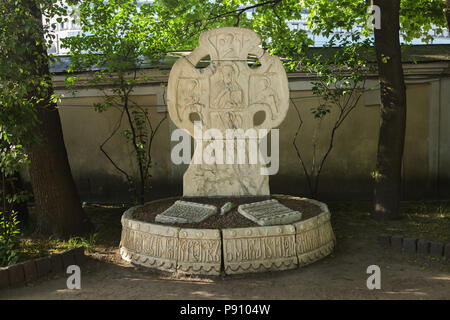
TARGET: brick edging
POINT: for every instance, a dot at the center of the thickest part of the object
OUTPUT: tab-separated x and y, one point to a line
415	246
31	270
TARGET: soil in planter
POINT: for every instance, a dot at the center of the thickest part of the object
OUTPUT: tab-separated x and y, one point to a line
232	219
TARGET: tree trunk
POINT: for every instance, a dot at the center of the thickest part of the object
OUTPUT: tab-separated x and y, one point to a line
393	113
58	208
447	13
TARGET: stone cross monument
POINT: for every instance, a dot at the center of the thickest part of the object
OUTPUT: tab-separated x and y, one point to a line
226	96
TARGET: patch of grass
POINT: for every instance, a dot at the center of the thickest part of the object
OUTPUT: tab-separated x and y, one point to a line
424	220
106	219
34	248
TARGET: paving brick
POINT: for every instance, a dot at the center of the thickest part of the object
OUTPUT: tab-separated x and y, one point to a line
447	251
68	258
29	268
437	249
16	274
396	242
410	245
423	247
43	266
384	240
57	263
4	278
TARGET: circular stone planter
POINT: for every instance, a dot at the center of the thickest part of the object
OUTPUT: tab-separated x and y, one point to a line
236	250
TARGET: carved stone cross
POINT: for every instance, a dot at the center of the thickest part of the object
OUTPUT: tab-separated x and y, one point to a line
227	95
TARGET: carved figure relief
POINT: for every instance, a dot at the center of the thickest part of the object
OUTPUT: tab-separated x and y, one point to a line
230	95
228	46
190	98
228	88
226	95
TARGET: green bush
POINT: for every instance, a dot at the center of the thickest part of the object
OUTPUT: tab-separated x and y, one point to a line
12	159
9	239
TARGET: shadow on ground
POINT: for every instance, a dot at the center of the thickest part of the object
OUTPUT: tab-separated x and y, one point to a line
342	275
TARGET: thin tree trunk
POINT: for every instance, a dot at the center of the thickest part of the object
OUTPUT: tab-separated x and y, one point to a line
58	208
140	193
393	113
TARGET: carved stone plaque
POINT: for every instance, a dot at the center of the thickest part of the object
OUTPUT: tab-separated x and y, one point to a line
227	95
269	212
314	237
148	244
186	212
259	249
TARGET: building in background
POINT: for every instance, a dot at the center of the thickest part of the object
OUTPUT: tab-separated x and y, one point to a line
68	27
71	28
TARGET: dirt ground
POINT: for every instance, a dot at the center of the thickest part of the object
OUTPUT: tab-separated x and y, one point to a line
339	276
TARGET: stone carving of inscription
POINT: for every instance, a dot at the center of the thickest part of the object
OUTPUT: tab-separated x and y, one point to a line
186	212
149	244
199	251
226	95
314	237
259	249
269	212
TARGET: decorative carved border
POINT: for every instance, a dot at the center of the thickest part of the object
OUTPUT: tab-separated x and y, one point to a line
244	250
148	244
259	249
199	251
315	238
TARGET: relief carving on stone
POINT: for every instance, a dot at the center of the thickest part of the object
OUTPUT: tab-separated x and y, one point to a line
242	250
200	251
227	94
259	249
149	244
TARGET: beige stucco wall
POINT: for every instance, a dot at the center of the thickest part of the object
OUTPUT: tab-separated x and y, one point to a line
346	173
86	129
443	133
348	168
415	160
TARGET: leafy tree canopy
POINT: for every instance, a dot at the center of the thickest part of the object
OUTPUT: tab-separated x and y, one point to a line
22	84
270	19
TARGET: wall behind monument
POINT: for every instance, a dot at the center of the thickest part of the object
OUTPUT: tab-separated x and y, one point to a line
346	174
85	130
347	171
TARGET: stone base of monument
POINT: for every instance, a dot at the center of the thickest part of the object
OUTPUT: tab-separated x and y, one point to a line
198	251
